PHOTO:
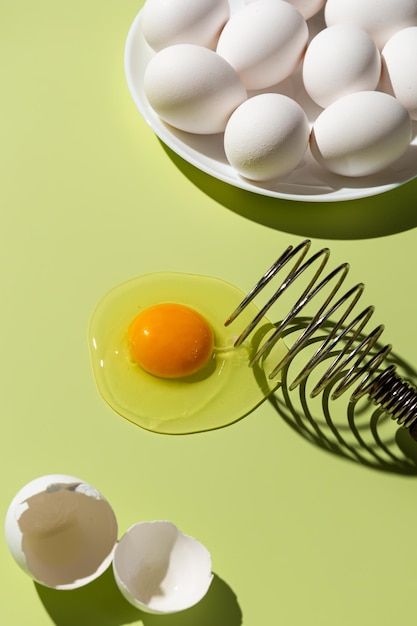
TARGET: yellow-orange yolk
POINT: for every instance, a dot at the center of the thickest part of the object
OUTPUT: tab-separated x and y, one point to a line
170	340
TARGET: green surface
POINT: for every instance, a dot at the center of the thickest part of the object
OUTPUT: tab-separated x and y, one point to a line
308	510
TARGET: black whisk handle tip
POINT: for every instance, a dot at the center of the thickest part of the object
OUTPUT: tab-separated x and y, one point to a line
413	431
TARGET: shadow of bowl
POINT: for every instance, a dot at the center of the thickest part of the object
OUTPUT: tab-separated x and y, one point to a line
364	218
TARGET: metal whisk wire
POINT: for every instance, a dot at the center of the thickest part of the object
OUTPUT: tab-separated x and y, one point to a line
355	361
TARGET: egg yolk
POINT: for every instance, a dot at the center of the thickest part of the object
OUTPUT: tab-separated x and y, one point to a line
170	340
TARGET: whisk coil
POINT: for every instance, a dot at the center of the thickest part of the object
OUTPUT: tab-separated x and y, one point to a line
359	356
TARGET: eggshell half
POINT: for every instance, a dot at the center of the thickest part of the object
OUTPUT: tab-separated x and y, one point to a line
361	133
193	88
61	531
159	569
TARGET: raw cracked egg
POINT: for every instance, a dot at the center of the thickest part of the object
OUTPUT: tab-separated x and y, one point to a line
380	18
340	59
266	137
361	133
192	88
185	375
170	340
61	531
264	42
165	23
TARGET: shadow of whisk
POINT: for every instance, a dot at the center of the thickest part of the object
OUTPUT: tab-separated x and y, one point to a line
332	352
357	430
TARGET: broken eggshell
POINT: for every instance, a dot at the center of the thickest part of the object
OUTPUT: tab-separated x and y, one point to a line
161	570
61	531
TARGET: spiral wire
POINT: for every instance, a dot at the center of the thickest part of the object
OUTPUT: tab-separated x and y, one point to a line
358	357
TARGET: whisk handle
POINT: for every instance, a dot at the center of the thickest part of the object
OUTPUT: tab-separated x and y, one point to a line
397	397
413	431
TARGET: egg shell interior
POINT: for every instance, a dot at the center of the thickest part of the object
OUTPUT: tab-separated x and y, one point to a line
159	569
63	534
61	531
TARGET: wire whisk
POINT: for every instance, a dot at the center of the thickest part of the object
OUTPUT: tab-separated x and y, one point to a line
359	357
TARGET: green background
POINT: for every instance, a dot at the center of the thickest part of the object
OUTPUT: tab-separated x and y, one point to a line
308	511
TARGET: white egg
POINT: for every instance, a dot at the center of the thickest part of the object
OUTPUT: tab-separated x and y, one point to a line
193	88
161	570
266	137
341	59
361	133
61	531
307	8
380	18
399	74
264	41
168	22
